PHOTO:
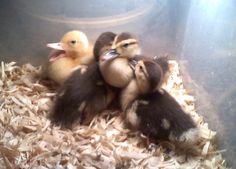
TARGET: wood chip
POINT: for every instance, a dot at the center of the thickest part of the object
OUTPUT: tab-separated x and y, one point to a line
28	140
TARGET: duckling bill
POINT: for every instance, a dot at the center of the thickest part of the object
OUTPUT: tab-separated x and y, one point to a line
56	54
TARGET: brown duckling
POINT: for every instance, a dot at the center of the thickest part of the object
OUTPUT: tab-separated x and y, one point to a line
84	93
71	51
155	112
114	65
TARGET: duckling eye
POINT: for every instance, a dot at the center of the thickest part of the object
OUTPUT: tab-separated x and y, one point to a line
140	67
73	42
125	45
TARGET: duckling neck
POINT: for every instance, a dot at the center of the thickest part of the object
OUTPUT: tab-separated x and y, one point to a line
83	57
129	94
72	55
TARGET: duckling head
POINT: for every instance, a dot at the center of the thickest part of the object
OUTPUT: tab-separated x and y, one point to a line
125	45
73	44
148	75
103	44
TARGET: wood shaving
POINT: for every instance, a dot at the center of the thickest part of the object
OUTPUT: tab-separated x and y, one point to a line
29	140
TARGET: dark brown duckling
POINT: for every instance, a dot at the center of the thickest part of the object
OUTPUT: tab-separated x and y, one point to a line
85	93
155	112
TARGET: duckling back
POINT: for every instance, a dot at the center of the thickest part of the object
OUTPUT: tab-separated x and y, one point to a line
162	117
153	110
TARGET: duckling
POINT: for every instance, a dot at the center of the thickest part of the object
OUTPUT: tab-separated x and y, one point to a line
155	112
114	65
71	51
84	93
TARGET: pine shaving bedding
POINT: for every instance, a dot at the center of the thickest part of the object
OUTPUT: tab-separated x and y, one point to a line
29	140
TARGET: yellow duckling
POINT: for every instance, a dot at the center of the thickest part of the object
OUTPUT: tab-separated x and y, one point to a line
84	94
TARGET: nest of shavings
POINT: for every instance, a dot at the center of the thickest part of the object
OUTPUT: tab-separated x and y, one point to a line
29	140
